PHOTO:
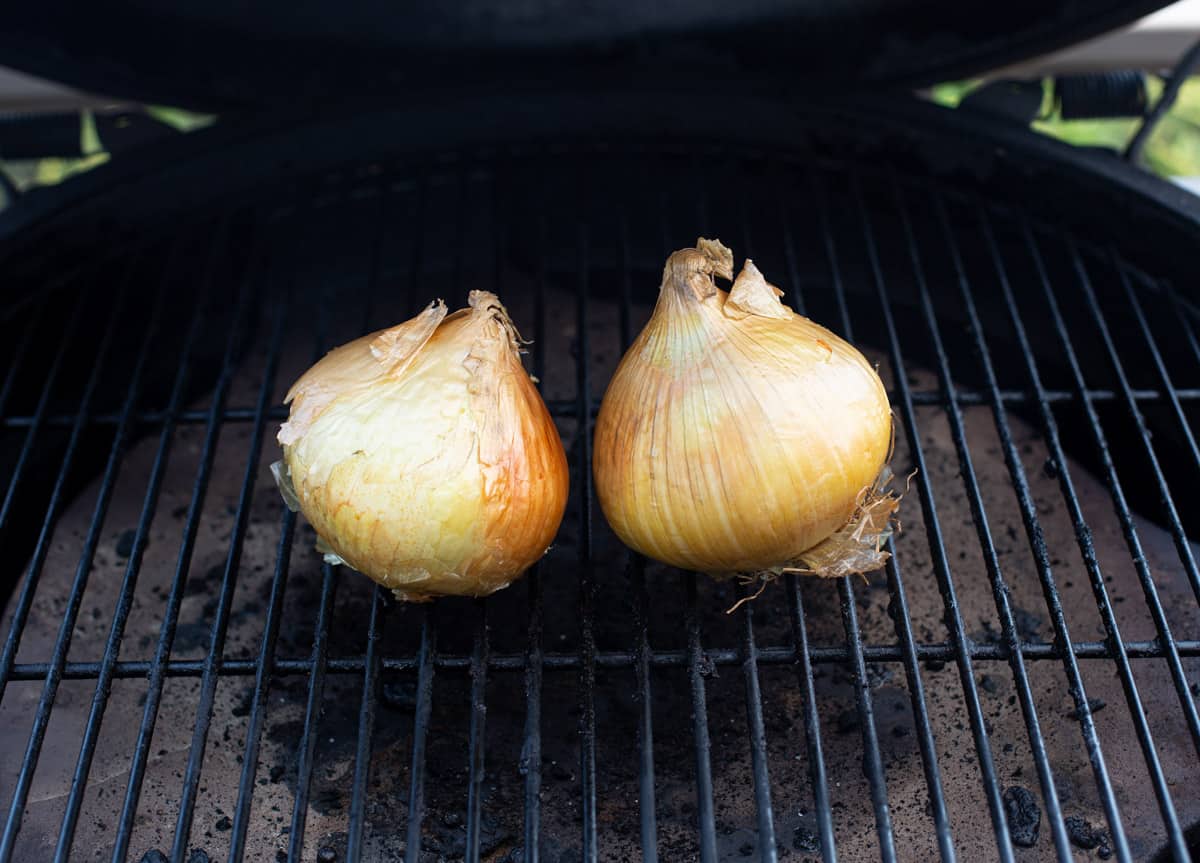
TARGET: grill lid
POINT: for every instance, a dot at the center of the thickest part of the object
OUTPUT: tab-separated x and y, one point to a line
223	56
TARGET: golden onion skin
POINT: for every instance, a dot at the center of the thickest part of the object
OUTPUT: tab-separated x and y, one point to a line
735	434
424	456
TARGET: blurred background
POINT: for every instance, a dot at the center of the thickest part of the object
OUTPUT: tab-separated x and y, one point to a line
49	132
1150	47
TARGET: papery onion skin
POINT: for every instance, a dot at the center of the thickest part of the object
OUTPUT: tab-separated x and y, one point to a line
425	458
735	434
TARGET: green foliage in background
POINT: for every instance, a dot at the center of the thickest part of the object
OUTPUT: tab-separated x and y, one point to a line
48	172
1173	148
179	119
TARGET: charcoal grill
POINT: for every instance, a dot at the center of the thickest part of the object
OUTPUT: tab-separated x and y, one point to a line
182	678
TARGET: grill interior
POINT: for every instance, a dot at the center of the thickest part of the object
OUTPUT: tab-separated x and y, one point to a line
181	674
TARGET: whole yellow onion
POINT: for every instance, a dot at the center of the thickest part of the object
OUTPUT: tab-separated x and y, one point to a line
739	437
423	455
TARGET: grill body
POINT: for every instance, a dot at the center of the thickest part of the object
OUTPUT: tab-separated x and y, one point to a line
180	672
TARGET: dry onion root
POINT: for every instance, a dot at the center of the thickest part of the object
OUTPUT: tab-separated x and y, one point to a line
423	455
739	438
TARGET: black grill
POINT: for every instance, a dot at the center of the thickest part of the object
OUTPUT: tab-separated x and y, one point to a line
180	672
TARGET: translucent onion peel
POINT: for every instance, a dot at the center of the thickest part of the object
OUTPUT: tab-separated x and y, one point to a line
739	437
423	455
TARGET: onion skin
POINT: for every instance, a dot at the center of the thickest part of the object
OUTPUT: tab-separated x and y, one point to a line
425	458
735	434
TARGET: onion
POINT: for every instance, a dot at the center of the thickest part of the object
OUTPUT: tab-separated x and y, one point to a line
423	455
739	437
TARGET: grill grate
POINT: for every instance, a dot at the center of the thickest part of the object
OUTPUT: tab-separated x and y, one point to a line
269	702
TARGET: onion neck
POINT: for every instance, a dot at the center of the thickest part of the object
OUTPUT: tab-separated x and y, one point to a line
487	306
687	322
688	276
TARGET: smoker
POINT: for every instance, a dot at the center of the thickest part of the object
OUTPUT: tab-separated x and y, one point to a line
183	679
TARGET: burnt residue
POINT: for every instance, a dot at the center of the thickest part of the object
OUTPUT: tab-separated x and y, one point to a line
1094	706
1023	814
124	543
1082	834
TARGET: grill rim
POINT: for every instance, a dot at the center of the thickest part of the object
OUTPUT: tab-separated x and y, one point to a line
270	148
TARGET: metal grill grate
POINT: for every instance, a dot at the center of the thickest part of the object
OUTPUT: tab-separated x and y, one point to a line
181	673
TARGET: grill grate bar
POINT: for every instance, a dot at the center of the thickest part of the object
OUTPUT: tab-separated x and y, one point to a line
872	757
1136	709
1000	595
791	259
648	820
425	673
1131	536
17	362
371	666
802	653
1160	366
62	278
426	664
511	662
478	716
263	667
645	727
112	648
157	669
62	641
481	649
39	416
34	570
531	748
812	722
312	712
960	639
1184	312
366	732
587	587
1041	555
937	547
758	737
697	661
208	684
699	664
320	649
749	651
